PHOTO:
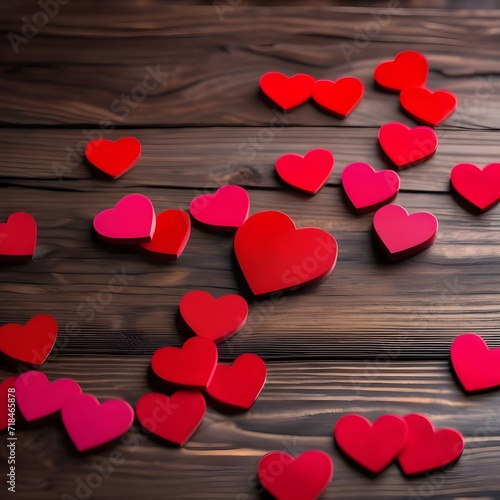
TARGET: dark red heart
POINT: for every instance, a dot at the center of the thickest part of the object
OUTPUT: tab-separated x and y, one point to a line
427	107
339	97
428	449
408	69
18	237
214	319
5	404
407	146
287	92
274	255
308	173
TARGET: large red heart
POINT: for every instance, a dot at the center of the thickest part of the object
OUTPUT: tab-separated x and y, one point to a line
274	255
90	424
408	69
308	173
30	343
402	234
238	385
477	367
430	108
287	92
479	187
175	418
192	366
407	146
374	446
114	158
7	407
367	189
303	478
18	237
428	449
339	97
214	319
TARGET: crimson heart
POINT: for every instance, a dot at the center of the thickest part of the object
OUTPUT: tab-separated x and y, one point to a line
407	146
287	92
430	108
339	97
367	189
175	418
308	173
192	366
428	449
479	187
239	385
274	255
5	408
114	158
402	234
303	478
214	319
18	237
30	343
477	367
374	446
408	69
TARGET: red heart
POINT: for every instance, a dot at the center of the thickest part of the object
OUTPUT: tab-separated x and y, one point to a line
477	367
287	92
5	407
430	108
172	231
114	158
407	146
175	418
308	173
428	449
214	319
303	478
192	366
18	237
239	385
339	97
30	343
479	187
274	255
408	69
402	234
367	189
374	446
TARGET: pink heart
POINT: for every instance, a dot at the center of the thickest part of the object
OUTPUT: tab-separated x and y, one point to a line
36	397
131	221
225	210
90	424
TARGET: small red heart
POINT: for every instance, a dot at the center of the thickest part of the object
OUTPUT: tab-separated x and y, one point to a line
428	449
18	237
481	187
407	146
477	367
114	158
175	418
214	319
402	234
430	108
192	366
287	92
407	69
339	97
5	407
367	189
30	343
308	173
303	478
238	385
374	446
172	231
274	255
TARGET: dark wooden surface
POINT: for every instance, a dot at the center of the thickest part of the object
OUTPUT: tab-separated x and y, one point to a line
373	338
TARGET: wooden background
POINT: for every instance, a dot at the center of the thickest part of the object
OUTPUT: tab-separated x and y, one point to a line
373	338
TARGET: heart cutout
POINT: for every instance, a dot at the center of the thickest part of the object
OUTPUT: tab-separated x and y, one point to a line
427	107
287	92
18	237
5	404
407	69
339	97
